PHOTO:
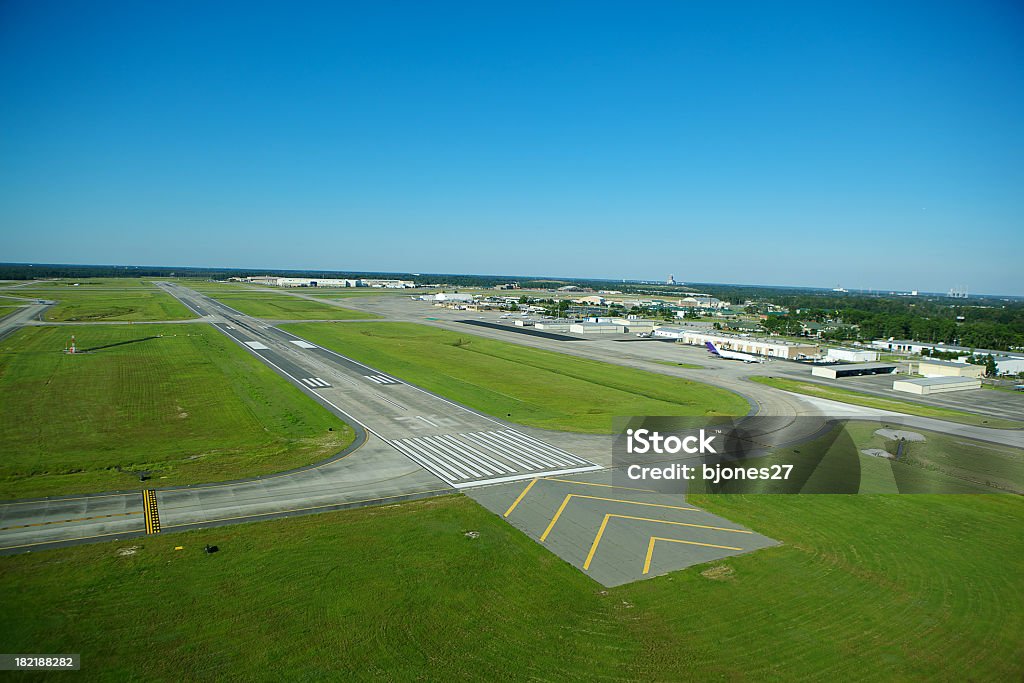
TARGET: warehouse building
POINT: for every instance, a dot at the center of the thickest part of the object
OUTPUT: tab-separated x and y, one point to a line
945	368
596	328
853	370
936	385
444	297
772	348
846	355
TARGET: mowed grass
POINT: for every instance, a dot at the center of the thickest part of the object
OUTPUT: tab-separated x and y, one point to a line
181	401
895	405
525	385
132	303
6	309
863	587
275	306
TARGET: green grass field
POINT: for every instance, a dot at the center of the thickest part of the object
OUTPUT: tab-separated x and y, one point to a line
7	309
688	366
132	302
275	306
529	386
907	407
181	401
862	587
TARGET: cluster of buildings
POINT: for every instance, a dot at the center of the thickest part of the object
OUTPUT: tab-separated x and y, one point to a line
1007	362
767	347
277	281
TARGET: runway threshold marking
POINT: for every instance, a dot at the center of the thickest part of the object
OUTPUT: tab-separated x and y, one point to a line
655	539
152	514
604	525
570	496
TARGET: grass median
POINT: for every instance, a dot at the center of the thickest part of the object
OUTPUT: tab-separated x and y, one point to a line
135	302
180	401
276	306
529	386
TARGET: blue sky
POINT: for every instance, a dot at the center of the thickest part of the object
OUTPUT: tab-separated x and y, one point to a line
874	145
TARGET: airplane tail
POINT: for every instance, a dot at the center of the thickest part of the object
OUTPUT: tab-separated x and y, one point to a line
711	348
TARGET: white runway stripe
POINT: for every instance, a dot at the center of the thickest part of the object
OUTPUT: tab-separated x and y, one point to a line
467	459
466	448
513	434
488	465
445	451
429	466
461	471
543	461
522	461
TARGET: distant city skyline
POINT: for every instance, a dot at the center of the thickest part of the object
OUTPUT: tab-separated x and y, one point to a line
873	146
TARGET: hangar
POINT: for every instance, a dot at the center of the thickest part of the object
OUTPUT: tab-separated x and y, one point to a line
596	328
935	385
945	368
853	370
852	355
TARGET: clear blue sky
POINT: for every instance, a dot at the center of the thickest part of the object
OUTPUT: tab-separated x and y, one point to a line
863	144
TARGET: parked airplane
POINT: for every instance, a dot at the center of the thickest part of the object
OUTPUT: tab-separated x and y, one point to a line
733	355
